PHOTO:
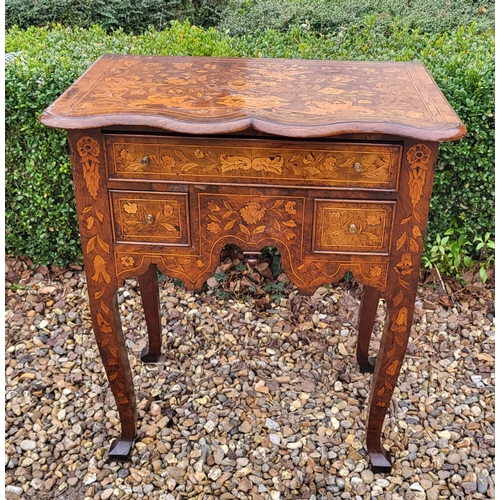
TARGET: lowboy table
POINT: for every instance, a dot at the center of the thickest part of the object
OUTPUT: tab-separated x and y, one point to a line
331	162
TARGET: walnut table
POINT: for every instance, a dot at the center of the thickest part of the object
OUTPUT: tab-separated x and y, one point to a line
331	162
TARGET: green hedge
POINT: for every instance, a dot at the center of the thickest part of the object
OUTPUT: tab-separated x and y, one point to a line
40	213
132	16
240	17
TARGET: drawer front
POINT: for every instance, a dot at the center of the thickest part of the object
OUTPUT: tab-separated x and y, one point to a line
154	218
203	160
354	227
250	218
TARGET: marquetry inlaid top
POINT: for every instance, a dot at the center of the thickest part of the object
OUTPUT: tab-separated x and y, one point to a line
294	98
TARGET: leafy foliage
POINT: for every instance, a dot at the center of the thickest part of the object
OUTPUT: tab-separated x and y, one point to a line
40	213
132	16
243	17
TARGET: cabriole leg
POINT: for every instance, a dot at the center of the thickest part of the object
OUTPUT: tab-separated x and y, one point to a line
111	344
402	282
389	362
97	240
367	315
148	284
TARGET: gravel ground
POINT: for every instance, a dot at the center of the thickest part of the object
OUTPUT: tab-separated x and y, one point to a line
251	399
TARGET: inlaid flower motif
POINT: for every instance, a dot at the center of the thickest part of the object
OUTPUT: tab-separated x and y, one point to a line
87	146
91	175
122	399
393	368
168	210
101	273
199	153
330	163
375	271
252	212
182	65
274	165
418	155
333	217
127	261
103	324
168	161
213	207
239	84
401	323
373	220
235	163
405	265
416	183
130	208
89	149
214	228
308	159
290	207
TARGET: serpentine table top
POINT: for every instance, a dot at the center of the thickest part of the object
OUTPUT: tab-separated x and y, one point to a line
292	98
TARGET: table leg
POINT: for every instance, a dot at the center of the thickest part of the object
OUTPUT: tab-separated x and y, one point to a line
148	284
87	156
389	362
111	344
367	315
417	172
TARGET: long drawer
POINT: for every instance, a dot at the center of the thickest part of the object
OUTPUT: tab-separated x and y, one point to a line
270	162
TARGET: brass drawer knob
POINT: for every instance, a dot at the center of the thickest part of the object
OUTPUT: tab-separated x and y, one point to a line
145	160
150	219
353	229
357	167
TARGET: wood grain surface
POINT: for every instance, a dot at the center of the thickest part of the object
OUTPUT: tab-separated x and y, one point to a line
339	164
294	98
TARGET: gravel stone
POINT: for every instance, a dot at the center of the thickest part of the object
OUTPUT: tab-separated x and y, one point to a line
482	484
367	476
469	487
454	458
123	473
27	445
272	425
107	493
251	399
13	492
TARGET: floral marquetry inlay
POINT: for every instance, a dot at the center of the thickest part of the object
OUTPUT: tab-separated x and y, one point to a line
335	164
330	162
154	217
408	251
89	151
249	216
296	98
418	157
354	227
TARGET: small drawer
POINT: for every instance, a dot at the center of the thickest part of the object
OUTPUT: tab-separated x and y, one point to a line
351	226
152	218
271	162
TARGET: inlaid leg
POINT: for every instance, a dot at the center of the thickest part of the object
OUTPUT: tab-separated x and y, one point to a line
148	284
111	344
89	176
402	282
389	361
367	315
